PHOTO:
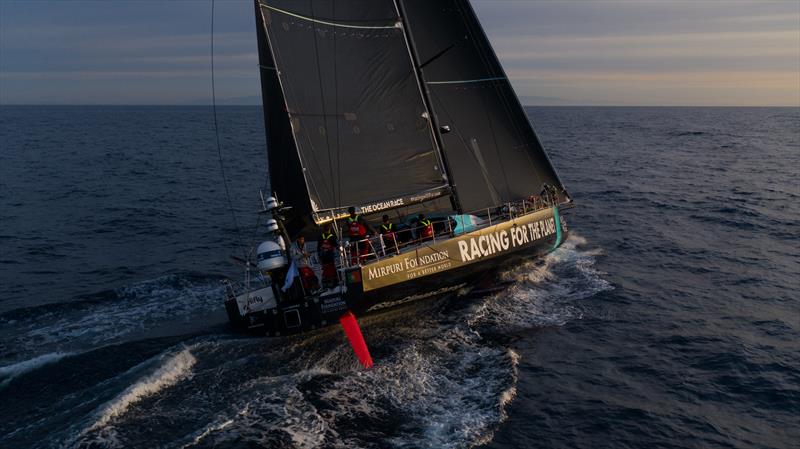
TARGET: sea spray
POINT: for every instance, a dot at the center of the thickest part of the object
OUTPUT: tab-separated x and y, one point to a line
543	293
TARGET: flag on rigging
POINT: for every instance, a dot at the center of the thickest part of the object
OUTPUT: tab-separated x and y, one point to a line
290	275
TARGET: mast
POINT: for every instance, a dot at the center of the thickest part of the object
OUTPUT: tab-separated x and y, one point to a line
426	98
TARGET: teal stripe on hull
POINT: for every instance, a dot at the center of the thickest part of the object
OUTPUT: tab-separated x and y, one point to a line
558	229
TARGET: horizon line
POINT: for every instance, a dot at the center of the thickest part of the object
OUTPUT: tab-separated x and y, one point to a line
524	105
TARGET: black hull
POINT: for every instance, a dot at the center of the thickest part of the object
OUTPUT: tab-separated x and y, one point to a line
325	309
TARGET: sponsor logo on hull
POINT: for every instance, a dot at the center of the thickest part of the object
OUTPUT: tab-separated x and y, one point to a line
459	251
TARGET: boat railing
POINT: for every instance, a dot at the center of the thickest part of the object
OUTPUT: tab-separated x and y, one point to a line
357	252
373	248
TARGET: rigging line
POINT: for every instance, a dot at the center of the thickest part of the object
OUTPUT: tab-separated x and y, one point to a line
254	238
322	98
333	24
338	195
216	134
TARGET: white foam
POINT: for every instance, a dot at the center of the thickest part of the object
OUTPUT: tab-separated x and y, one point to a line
450	386
175	369
271	405
208	431
449	383
19	368
509	394
546	292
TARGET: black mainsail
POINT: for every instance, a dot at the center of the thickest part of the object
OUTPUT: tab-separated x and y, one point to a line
285	171
355	95
360	128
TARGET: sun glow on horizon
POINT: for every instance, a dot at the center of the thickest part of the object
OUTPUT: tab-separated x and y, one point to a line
742	53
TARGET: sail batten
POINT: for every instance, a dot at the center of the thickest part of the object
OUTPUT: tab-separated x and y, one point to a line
328	22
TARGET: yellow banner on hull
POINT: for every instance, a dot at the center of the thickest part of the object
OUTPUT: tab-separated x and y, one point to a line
486	243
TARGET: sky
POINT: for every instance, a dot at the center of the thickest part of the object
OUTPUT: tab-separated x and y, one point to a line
557	52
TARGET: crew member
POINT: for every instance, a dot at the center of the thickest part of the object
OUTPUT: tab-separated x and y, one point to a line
549	193
326	249
300	259
554	195
545	193
425	228
388	232
357	228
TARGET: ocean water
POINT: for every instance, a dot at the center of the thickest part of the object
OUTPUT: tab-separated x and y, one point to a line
670	318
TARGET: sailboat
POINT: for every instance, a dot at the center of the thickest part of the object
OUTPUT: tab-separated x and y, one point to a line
396	108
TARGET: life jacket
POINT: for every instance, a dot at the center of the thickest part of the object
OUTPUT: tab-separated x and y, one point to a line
387	230
427	231
326	246
327	252
355	228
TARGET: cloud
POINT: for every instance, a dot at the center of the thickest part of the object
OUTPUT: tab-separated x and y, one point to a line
126	74
679	53
198	59
577	52
674	88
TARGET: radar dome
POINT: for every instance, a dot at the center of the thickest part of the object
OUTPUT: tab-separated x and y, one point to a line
270	257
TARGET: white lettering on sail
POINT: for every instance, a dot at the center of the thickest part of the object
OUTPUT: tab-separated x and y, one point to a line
381	206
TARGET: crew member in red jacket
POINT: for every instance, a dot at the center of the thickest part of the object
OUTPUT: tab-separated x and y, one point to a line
425	230
326	250
357	229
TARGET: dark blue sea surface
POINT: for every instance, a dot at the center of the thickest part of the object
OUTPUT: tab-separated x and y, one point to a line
669	318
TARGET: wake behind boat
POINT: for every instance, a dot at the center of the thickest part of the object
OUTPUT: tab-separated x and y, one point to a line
401	153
